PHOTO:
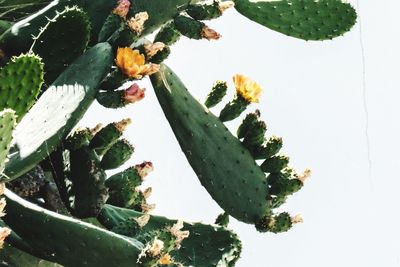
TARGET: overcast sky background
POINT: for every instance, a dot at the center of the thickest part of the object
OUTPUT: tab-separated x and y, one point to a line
314	98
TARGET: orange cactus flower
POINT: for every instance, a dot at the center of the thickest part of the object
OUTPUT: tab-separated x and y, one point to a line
132	63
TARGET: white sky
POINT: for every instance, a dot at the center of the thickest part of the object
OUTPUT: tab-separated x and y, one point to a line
313	98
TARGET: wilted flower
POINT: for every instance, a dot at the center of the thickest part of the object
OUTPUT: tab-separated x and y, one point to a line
136	23
153	48
4	232
209	33
224	5
144	168
143	220
134	93
179	235
297	219
156	247
122	8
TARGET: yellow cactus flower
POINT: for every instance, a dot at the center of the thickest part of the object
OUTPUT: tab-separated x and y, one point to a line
165	260
132	63
247	88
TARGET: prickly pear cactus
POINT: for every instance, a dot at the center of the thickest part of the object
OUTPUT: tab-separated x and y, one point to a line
304	19
224	247
21	80
62	40
58	110
58	56
7	124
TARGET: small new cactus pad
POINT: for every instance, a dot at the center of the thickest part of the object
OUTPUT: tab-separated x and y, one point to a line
218	92
122	186
224	166
168	34
206	245
62	40
68	241
189	27
21	80
117	154
59	109
107	136
7	124
87	179
304	19
204	11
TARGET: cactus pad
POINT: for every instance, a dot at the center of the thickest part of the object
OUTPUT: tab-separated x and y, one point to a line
58	109
222	245
68	241
304	19
225	168
21	80
62	40
7	124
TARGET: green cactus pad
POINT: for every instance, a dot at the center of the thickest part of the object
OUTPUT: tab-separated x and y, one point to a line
158	13
275	164
15	257
218	92
13	10
68	241
112	99
189	27
88	179
7	124
225	168
204	11
19	38
62	40
304	19
58	110
122	186
117	155
107	136
112	24
222	246
168	34
4	26
269	149
21	80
